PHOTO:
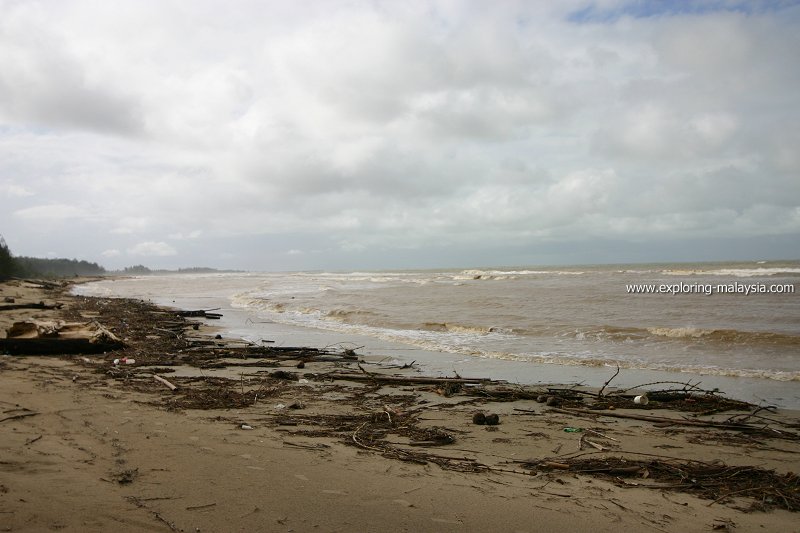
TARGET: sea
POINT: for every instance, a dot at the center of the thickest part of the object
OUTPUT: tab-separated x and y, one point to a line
734	327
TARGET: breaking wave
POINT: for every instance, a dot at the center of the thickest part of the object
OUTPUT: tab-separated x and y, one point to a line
723	336
736	272
476	274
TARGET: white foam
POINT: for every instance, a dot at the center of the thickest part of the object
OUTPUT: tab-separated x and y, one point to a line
735	272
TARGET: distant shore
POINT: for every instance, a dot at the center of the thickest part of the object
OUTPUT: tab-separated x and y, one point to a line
248	441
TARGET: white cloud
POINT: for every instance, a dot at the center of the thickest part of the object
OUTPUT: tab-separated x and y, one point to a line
715	128
50	212
360	126
152	249
186	236
111	253
14	190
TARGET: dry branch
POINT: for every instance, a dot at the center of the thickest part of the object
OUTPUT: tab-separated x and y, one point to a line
164	382
403	379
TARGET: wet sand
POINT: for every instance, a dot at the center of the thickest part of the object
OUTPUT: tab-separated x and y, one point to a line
86	445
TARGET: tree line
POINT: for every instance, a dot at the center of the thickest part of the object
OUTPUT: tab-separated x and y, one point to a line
26	267
11	266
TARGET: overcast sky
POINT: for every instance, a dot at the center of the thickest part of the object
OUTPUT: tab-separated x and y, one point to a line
367	134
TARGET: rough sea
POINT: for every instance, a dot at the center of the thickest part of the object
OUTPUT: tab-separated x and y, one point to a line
732	326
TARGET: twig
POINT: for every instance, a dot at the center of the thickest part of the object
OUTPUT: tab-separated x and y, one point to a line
196	507
686	385
20	415
600	434
361	444
732	493
170	525
166	383
600	392
673	421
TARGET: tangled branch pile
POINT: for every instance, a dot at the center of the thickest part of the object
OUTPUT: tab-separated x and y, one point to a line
712	481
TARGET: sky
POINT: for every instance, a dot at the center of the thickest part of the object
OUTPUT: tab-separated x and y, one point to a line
302	135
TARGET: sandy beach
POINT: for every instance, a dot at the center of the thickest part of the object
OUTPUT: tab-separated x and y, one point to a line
255	438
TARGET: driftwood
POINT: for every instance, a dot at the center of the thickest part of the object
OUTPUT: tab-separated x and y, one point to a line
219	349
403	379
20	415
648	418
166	383
56	346
734	426
58	338
200	313
712	481
40	305
43	284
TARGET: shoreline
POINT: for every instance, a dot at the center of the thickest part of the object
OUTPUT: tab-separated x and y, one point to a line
249	441
249	323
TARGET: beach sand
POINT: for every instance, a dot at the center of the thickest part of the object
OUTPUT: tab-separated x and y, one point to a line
86	445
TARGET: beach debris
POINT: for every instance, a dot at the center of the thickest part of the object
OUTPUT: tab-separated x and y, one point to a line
164	382
245	426
723	525
572	430
14	416
124	477
482	418
39	305
714	481
58	338
553	465
600	392
668	421
641	400
404	380
204	313
448	389
492	419
198	507
432	437
583	440
283	374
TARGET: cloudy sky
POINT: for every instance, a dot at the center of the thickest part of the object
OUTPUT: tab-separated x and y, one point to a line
397	134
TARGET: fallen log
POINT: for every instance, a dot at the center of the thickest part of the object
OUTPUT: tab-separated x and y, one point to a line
42	284
56	346
403	379
200	313
40	305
